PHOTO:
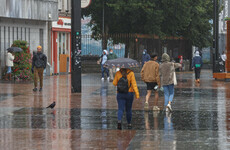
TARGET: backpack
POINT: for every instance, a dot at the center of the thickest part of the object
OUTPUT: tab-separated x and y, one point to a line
123	85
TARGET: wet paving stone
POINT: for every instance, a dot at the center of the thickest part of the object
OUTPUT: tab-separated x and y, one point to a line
107	119
200	117
5	96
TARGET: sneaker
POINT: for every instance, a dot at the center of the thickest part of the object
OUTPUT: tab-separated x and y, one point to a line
129	126
108	79
156	108
119	126
102	79
169	107
155	114
40	89
168	115
146	106
167	110
35	89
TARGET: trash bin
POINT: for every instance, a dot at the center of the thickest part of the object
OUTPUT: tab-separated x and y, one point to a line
186	65
219	66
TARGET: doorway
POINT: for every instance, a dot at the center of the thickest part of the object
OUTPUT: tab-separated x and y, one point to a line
63	52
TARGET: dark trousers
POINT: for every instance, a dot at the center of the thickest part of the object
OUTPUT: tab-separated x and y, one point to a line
197	73
103	69
125	102
38	73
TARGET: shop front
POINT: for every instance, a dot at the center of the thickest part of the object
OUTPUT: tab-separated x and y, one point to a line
61	45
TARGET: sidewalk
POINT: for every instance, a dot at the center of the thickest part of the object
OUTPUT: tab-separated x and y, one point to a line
200	117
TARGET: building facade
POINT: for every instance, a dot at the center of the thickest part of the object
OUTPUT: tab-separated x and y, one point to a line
61	39
225	13
28	20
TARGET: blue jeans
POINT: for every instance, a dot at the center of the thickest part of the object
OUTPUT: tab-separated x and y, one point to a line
103	69
168	93
125	102
9	70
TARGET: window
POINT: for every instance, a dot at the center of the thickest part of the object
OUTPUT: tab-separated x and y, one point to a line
41	37
59	5
13	34
60	48
29	36
25	34
63	5
4	37
17	33
8	36
69	5
21	33
66	5
64	43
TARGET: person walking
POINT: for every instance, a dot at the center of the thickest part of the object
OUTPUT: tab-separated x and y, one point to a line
9	64
39	62
126	86
181	62
196	65
111	56
167	72
223	57
145	57
103	68
150	75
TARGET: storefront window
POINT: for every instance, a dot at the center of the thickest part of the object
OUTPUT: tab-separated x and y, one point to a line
60	43
63	43
63	51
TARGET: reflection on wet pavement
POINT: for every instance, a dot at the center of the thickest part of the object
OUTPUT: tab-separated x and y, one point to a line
200	117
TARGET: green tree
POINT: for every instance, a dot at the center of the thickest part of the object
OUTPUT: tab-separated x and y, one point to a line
164	18
22	61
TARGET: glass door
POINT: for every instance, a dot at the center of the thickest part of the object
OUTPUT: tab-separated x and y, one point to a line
63	51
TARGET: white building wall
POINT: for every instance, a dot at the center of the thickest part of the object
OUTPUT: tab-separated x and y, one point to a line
28	30
46	10
222	24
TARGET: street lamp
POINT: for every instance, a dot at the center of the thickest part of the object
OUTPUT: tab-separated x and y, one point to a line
76	46
215	33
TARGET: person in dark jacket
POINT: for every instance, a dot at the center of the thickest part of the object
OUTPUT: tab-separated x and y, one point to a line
145	57
196	65
39	62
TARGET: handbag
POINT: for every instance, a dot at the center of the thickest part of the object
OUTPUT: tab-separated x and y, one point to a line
174	76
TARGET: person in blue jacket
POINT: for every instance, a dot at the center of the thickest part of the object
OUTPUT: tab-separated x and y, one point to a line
145	57
196	65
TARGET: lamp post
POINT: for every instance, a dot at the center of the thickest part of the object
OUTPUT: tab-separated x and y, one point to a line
103	26
76	46
215	33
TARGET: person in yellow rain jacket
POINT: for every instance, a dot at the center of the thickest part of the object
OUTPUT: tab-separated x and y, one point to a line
126	87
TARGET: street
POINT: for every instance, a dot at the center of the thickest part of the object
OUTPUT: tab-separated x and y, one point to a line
200	117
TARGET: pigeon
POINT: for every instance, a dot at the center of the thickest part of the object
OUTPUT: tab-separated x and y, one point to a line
52	105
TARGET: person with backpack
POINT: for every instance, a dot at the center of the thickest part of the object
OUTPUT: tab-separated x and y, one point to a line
39	62
145	57
196	65
126	86
104	58
150	75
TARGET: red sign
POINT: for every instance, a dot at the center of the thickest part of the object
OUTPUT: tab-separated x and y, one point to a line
60	22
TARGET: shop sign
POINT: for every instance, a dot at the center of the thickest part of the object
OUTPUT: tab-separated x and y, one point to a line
64	23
